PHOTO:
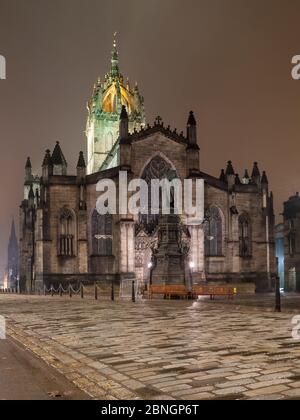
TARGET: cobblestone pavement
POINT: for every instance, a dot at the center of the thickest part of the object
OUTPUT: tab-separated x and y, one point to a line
160	349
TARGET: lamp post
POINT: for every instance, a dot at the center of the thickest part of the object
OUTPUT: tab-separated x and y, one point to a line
192	265
277	295
18	284
150	266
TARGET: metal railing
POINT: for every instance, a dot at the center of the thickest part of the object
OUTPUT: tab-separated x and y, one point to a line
71	291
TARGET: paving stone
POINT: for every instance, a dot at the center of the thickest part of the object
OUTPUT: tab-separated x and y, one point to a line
230	391
170	389
267	391
231	384
275	376
244	376
199	397
294	393
258	385
192	391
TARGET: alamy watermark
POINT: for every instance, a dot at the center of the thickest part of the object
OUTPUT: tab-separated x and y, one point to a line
2	328
2	67
163	196
296	68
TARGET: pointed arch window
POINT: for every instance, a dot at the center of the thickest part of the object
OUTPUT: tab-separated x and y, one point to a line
245	236
157	169
66	233
213	230
102	234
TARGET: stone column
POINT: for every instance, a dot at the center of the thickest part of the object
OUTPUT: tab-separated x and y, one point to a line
123	230
235	244
197	257
131	247
127	247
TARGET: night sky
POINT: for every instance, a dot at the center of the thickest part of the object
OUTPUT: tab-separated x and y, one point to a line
228	60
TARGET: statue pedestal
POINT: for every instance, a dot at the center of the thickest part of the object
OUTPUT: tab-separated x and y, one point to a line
169	260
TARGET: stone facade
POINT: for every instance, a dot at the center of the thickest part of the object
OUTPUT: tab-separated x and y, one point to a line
64	240
291	232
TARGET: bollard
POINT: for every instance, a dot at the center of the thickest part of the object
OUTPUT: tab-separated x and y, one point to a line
81	291
52	291
44	290
112	291
96	292
60	290
133	291
70	291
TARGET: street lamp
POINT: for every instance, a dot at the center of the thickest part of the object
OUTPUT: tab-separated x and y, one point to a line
150	266
277	295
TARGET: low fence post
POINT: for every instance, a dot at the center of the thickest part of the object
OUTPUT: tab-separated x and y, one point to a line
81	291
112	291
70	291
96	292
60	290
133	291
52	291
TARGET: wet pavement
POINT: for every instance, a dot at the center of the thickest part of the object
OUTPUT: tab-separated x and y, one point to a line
162	349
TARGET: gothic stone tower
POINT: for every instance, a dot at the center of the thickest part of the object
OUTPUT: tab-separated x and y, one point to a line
104	110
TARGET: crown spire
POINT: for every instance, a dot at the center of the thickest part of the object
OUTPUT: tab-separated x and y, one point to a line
115	58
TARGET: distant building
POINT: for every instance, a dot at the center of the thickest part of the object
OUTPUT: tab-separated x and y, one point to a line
279	241
12	272
291	217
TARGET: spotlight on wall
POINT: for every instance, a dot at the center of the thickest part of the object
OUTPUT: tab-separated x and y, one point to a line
150	265
192	265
